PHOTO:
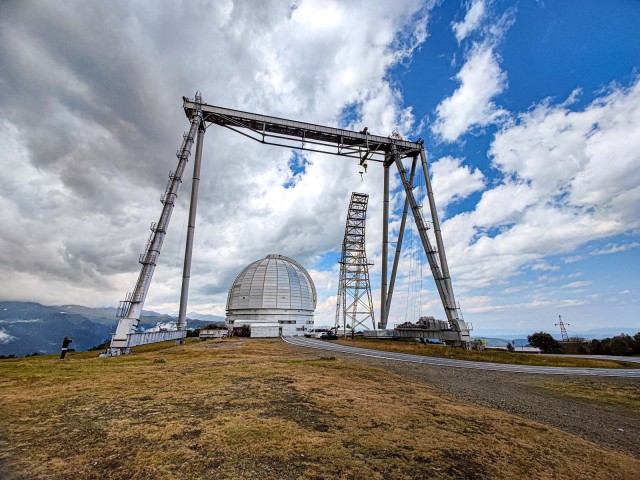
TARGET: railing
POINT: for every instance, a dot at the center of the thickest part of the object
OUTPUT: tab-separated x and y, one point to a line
135	339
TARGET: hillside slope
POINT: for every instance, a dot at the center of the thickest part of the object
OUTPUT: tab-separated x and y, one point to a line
28	327
260	409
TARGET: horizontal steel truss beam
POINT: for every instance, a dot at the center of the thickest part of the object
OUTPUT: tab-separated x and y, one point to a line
303	136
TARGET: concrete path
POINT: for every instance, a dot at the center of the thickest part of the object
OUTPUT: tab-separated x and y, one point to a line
446	362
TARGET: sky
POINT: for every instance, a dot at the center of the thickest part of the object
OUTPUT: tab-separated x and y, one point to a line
529	111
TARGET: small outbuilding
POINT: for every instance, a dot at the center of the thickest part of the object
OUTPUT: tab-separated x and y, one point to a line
265	330
213	333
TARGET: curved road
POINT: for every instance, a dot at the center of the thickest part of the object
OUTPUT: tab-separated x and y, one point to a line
599	357
446	362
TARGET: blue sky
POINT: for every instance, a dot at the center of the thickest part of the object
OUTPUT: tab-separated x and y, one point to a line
545	52
530	112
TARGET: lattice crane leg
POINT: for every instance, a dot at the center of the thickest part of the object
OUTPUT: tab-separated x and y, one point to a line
354	304
130	309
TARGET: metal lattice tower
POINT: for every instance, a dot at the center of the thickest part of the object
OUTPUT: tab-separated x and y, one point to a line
563	330
354	303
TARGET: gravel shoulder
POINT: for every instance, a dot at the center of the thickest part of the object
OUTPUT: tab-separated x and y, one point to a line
615	426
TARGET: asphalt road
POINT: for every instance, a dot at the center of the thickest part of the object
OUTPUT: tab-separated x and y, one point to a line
600	357
445	362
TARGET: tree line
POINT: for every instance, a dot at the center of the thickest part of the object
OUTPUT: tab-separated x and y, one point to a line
619	345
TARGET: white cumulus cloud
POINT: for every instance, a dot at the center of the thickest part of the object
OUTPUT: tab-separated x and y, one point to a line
471	104
471	21
568	178
545	266
454	181
613	248
579	284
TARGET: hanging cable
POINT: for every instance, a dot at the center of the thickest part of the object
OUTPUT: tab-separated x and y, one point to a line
420	288
410	255
175	265
421	255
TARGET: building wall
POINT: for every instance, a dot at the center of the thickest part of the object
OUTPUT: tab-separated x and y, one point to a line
292	323
267	330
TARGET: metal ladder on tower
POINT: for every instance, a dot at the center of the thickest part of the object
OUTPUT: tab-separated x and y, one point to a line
130	309
354	303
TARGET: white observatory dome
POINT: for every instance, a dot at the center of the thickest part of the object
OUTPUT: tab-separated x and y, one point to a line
274	290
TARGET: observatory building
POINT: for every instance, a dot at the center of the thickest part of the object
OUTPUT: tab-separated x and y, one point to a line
274	296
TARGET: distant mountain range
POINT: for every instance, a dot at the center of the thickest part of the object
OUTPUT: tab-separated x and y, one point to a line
502	342
519	334
27	327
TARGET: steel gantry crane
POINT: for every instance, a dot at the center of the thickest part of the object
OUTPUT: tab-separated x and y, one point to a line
361	146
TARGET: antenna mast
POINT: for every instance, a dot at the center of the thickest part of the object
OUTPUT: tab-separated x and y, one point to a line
563	331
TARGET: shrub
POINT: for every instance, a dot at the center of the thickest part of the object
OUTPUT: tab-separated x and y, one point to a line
216	326
545	342
618	345
243	331
102	346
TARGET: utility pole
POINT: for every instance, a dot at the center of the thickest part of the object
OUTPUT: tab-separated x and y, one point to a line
563	331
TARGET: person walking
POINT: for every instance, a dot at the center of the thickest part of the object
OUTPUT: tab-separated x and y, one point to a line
65	347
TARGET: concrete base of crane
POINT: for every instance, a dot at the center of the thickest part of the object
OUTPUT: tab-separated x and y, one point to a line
124	345
450	337
457	344
379	333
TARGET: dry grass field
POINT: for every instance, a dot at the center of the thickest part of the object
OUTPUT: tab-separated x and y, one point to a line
417	348
235	409
626	396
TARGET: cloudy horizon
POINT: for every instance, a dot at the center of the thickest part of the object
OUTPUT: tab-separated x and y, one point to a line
532	136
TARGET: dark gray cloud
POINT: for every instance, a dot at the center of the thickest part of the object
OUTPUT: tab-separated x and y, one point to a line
91	117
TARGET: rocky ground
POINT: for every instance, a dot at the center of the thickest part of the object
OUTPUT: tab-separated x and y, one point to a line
541	398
